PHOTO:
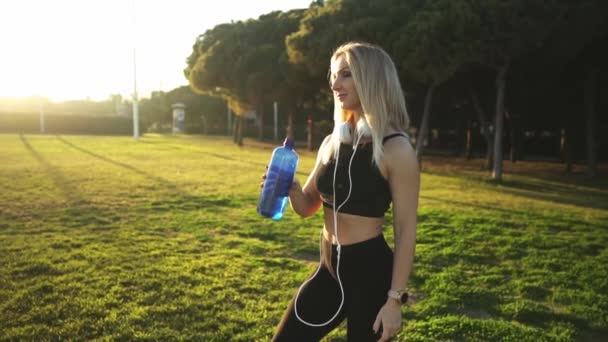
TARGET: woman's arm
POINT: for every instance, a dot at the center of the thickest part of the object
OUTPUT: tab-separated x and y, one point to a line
404	178
306	200
403	174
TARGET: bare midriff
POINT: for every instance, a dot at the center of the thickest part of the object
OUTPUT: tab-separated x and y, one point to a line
351	228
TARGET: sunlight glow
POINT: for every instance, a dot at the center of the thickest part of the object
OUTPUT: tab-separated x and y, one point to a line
70	49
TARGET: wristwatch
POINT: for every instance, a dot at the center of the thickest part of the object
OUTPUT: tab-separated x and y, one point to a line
398	295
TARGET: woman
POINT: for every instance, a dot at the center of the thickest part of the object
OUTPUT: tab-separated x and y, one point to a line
359	277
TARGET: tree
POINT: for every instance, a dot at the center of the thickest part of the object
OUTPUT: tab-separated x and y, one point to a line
325	26
155	111
479	76
239	60
504	32
577	49
433	48
211	66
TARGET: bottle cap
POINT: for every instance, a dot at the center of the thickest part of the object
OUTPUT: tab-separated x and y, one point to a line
288	142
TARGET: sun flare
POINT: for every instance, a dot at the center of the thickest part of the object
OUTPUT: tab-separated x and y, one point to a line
69	49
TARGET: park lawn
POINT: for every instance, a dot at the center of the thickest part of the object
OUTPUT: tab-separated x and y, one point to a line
106	238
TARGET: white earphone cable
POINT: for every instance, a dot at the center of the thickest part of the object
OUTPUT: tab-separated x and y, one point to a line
338	245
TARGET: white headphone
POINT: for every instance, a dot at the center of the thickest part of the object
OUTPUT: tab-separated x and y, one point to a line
344	134
344	130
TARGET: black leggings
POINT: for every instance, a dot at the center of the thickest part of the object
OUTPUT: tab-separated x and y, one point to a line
366	272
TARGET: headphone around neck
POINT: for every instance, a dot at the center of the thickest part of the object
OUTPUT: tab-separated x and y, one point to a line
345	131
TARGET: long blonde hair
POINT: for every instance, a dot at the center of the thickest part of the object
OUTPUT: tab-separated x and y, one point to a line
379	90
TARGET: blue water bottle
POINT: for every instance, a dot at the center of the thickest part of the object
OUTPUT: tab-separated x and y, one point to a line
279	177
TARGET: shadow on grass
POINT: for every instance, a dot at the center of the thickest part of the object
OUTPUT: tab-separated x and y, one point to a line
178	198
568	221
541	316
299	240
69	192
557	193
120	164
539	171
220	156
556	190
493	262
187	202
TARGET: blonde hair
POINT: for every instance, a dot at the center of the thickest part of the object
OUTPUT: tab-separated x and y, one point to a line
379	90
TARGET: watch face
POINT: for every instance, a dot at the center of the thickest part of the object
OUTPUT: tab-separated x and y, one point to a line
404	297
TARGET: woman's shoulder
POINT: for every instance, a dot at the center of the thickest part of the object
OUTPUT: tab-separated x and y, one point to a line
395	134
326	142
393	139
398	147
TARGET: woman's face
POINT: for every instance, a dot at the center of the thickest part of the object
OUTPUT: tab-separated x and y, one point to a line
343	85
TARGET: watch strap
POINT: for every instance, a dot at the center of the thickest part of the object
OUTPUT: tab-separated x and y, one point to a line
398	295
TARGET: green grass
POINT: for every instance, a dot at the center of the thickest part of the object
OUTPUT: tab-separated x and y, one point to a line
105	238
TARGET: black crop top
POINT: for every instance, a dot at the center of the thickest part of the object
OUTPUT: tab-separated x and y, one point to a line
370	195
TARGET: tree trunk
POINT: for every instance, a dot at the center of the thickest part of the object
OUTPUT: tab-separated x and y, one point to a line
590	121
229	119
500	104
309	129
204	123
485	128
240	131
290	127
468	150
567	148
261	123
513	138
424	125
235	129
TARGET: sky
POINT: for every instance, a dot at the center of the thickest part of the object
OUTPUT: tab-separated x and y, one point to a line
78	49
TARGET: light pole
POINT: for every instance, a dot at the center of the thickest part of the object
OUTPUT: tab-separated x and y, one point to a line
135	99
41	109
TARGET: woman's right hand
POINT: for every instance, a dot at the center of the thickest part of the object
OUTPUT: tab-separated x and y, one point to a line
295	185
264	178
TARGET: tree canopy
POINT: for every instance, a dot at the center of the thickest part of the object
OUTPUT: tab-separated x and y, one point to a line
508	56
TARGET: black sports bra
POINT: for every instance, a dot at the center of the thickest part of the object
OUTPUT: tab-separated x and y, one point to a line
370	195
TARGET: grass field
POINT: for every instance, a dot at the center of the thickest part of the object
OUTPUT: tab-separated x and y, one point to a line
105	238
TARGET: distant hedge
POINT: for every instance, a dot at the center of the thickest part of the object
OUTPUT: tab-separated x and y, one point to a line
66	124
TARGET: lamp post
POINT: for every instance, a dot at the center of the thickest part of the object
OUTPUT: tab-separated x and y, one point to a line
41	109
135	99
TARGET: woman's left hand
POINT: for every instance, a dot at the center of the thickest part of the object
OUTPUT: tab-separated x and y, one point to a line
390	318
